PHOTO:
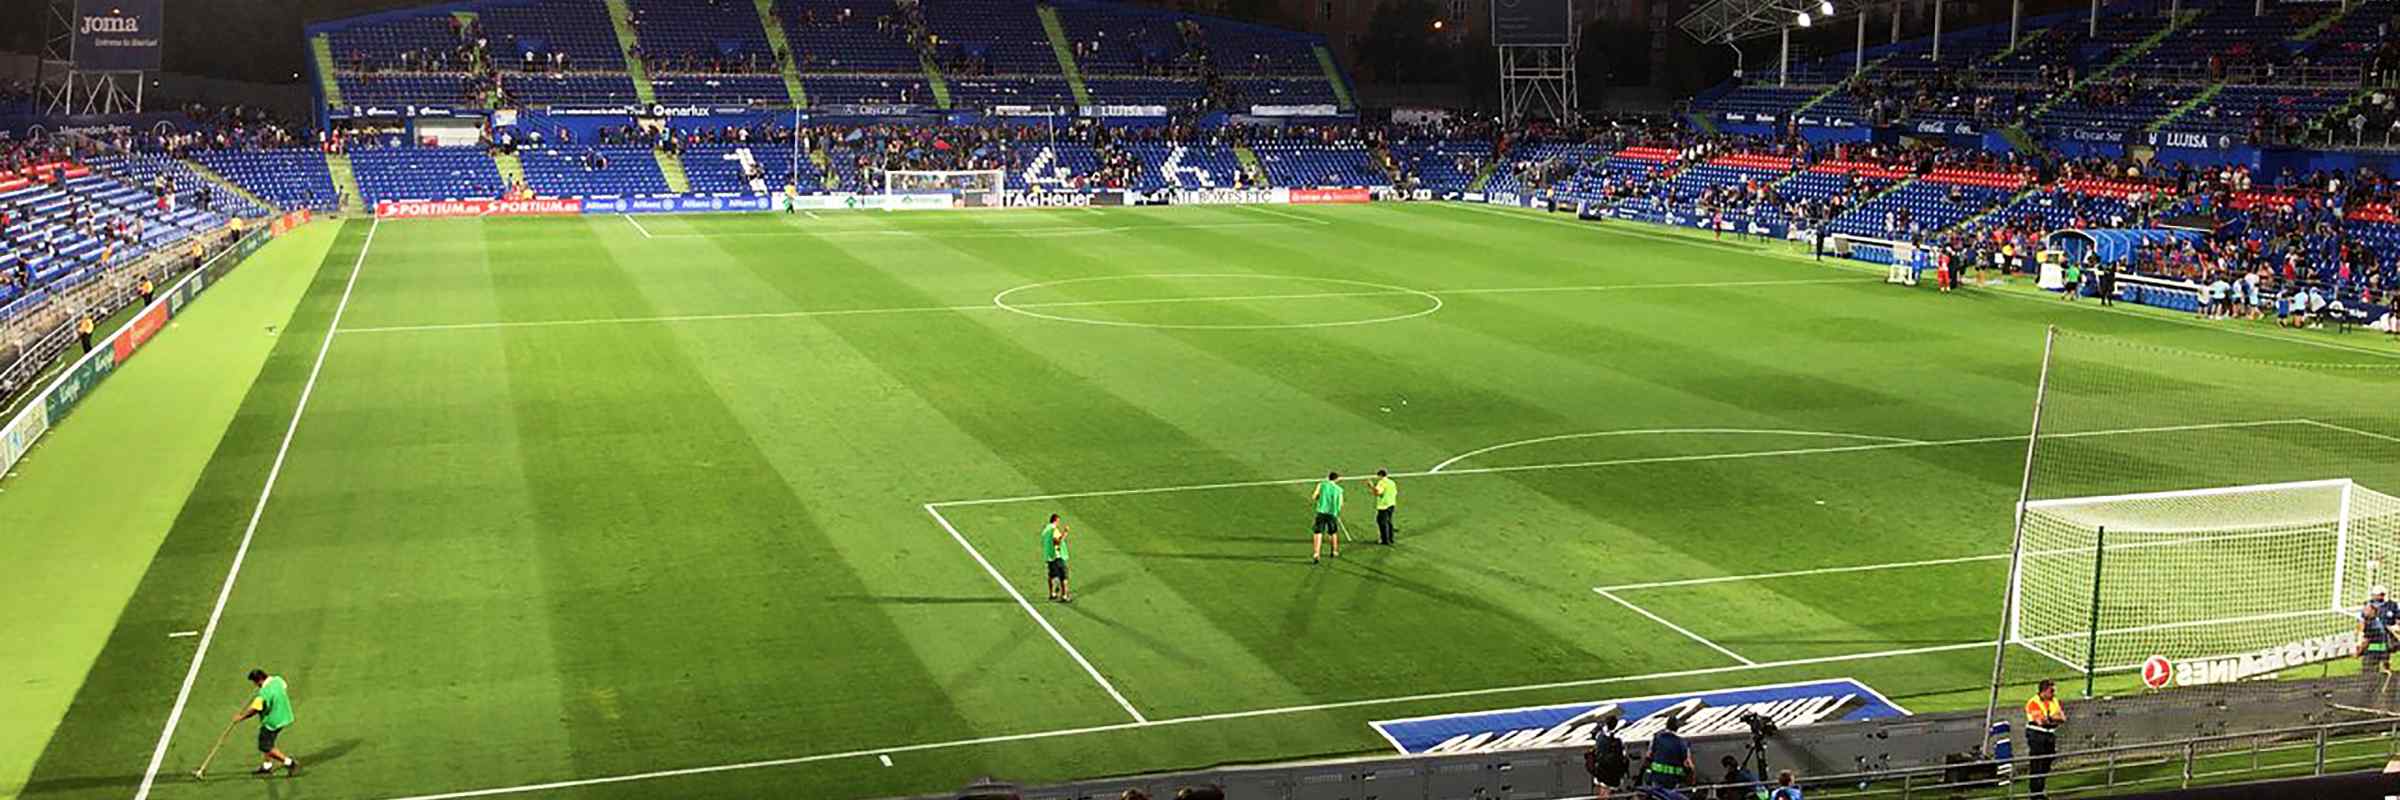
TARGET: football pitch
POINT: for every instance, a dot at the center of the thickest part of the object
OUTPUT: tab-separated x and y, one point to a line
746	505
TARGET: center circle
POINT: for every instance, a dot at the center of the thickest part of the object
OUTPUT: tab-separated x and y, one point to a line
1044	310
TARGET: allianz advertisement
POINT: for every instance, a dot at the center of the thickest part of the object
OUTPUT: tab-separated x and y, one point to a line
1791	705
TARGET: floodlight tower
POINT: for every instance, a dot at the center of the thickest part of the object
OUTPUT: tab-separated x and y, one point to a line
93	52
1535	40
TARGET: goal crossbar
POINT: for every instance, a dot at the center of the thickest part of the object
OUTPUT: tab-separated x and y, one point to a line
2217	491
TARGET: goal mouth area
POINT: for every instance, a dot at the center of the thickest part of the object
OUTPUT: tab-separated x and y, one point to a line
2101	584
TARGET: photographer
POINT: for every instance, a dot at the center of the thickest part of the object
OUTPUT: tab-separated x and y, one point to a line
1606	761
1669	764
1738	783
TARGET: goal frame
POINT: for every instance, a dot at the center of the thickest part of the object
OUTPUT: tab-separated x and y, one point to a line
999	181
2341	543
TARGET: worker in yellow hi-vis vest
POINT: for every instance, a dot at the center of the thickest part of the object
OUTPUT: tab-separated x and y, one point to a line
83	330
2043	716
1387	503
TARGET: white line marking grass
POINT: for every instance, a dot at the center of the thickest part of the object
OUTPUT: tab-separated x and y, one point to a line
847	312
216	614
1687	632
1800	573
1373	289
1038	619
1668	432
1028	232
182	634
1273	211
637	225
933	509
1745	454
1199	718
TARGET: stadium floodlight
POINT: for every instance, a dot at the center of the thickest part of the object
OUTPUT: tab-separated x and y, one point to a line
1730	21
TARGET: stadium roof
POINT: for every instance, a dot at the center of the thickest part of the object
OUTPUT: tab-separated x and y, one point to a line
1724	21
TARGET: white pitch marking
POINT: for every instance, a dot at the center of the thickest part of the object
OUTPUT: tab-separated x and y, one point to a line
971	233
1001	301
208	633
1936	562
1055	636
1203	718
844	312
1612	462
1800	573
812	215
556	323
1284	214
181	634
637	225
1687	632
1668	432
2353	431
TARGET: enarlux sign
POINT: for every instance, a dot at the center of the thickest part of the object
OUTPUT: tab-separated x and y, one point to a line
118	35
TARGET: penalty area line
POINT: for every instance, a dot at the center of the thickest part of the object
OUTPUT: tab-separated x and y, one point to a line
1687	632
1038	619
1203	718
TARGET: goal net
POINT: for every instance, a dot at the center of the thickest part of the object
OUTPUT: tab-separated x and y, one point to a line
2192	514
2105	583
969	187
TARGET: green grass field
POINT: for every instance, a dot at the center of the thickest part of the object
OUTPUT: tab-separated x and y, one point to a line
744	505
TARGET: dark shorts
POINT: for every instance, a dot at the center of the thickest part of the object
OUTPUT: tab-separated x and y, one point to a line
1058	569
1327	523
266	738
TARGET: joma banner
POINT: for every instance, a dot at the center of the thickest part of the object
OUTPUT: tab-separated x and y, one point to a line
118	35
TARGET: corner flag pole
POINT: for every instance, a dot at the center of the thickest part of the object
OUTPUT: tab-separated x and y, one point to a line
2016	548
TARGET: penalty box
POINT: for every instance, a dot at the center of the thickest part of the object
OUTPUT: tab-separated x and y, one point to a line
1186	590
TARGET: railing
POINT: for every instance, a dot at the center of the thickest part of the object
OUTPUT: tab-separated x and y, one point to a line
27	424
31	339
2182	763
2326	77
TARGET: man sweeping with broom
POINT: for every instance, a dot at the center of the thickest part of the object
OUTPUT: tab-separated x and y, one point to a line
273	706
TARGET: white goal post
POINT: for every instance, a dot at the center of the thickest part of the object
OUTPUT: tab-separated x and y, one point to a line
973	187
2102	584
